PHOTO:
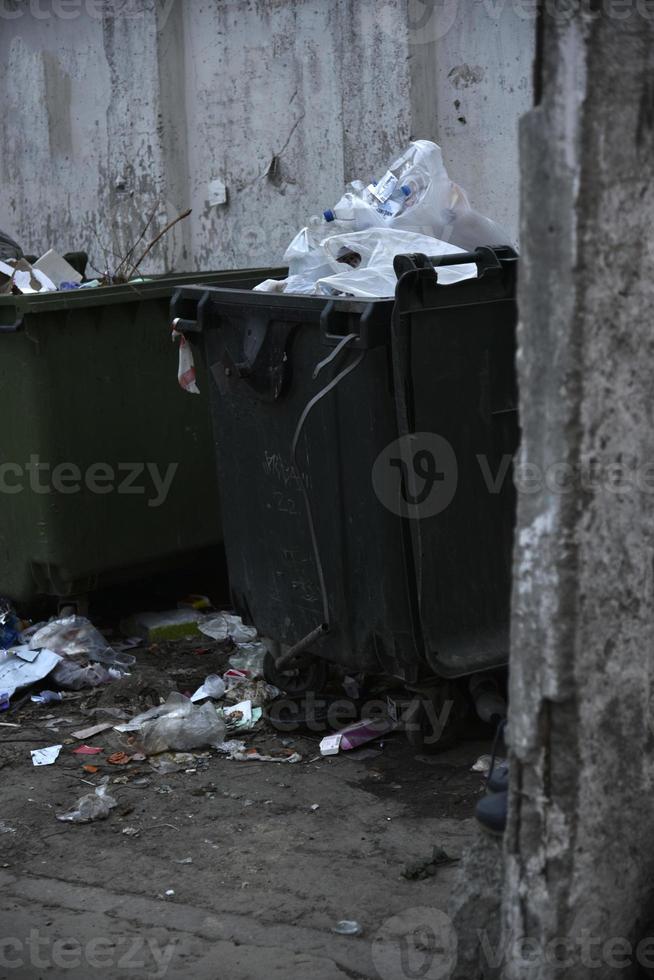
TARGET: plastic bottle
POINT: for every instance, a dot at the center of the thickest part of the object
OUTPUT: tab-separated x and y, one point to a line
489	703
47	697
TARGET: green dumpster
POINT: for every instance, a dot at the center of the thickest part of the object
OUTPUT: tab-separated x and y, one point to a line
106	465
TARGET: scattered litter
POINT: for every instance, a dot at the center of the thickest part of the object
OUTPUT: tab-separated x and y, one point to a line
314	806
178	724
483	764
91	769
92	806
6	829
77	638
75	677
47	697
419	870
237	750
242	715
188	860
156	627
93	730
347	927
227	625
213	687
16	672
259	692
330	745
169	762
10	625
249	658
131	831
45	756
119	759
170	891
87	750
356	734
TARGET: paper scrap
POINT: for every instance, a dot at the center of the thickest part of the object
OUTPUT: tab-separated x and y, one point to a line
56	268
15	672
93	730
24	652
45	756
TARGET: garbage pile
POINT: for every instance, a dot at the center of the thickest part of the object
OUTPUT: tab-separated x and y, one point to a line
413	207
69	651
51	273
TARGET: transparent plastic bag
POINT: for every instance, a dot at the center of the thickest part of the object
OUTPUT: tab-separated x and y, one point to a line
225	624
92	806
78	638
469	229
179	725
249	657
71	676
375	276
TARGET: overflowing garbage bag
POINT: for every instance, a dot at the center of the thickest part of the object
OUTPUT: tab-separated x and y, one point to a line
413	207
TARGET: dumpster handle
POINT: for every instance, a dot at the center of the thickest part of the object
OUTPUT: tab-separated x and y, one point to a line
483	257
324	626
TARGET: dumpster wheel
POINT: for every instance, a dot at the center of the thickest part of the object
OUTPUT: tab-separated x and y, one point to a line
305	673
421	719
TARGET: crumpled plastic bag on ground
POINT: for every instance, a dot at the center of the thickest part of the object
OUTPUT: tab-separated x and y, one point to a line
78	638
375	276
237	750
221	626
92	806
73	677
178	724
249	657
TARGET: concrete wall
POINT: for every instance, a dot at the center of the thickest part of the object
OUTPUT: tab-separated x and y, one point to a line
110	107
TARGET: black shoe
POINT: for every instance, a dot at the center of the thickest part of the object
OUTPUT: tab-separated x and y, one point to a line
491	811
498	778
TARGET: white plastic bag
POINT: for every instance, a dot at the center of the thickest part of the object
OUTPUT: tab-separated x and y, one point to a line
375	276
470	229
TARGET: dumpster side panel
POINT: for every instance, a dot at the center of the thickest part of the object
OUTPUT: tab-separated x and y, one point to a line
272	565
462	387
125	447
122	478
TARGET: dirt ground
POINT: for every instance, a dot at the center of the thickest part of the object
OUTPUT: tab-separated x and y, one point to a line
225	869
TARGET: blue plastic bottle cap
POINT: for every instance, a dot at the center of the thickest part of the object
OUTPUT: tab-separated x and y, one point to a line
329	215
406	190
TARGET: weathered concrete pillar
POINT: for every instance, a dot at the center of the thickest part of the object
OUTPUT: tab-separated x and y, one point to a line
579	854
